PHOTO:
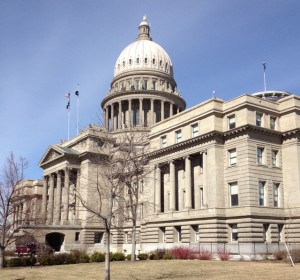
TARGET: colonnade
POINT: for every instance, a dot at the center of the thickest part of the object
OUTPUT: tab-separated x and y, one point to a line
59	199
137	112
174	192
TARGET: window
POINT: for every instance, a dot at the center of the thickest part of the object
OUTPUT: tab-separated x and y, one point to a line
162	234
258	119
141	186
178	136
164	141
274	154
77	236
232	157
201	197
145	84
195	234
276	194
137	60
98	237
195	130
153	60
273	123
137	84
177	234
280	232
234	232
261	194
146	60
234	195
266	232
154	85
130	61
142	211
260	155
231	122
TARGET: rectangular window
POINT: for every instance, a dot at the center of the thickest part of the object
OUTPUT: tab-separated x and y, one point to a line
137	84
234	195
274	154
98	237
234	232
260	155
164	141
258	119
232	157
142	211
201	197
276	195
145	84
162	234
178	136
195	233
177	234
195	130
77	236
266	236
280	232
231	122
262	192
273	123
154	85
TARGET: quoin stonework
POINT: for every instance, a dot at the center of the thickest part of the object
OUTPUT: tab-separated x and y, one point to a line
221	172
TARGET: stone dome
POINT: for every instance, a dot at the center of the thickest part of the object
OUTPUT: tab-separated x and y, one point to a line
143	54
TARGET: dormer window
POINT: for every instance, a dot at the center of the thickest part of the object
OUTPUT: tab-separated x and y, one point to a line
153	60
160	63
123	63
146	60
130	61
137	60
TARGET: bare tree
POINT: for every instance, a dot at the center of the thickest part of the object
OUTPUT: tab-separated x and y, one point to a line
11	198
136	174
105	185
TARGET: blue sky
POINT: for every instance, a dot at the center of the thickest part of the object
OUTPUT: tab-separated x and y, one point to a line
47	47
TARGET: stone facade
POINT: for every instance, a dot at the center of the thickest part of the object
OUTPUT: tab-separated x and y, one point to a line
222	171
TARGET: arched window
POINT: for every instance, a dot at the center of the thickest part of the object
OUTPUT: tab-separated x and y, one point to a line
146	60
123	63
130	61
153	61
137	60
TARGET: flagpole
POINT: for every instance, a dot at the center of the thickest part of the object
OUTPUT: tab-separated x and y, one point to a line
77	94
68	96
265	84
69	123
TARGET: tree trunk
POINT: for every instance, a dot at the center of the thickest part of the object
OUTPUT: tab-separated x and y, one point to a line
1	257
133	242
107	251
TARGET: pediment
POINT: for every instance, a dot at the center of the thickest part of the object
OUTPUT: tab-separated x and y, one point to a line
51	154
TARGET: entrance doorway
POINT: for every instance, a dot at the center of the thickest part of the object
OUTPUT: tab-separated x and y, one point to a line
55	240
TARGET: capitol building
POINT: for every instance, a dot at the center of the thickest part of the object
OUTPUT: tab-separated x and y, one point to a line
221	172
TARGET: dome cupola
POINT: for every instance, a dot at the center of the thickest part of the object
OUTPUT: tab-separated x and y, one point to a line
143	90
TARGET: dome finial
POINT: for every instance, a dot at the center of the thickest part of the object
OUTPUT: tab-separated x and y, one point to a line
144	30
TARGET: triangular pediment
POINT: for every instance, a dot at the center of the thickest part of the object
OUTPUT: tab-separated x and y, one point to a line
51	154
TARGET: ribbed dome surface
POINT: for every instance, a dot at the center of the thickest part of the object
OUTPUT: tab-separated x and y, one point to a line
143	55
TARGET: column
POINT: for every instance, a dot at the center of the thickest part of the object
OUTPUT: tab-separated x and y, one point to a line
65	198
112	113
162	110
106	117
120	115
77	190
51	199
204	163
44	198
172	186
171	109
58	199
141	112
188	183
157	184
151	111
129	112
